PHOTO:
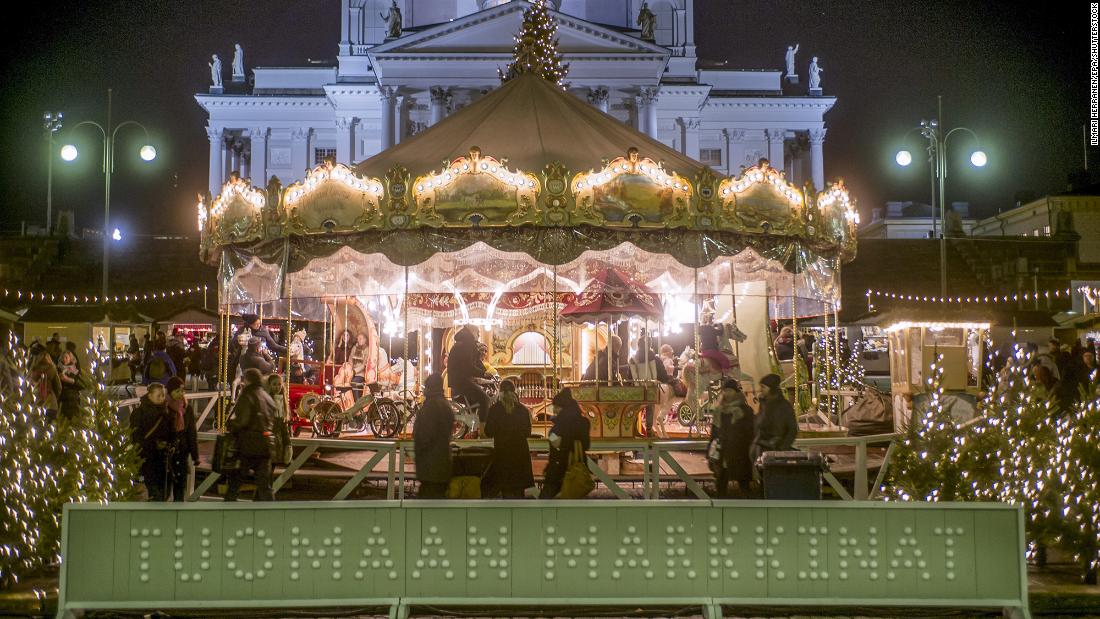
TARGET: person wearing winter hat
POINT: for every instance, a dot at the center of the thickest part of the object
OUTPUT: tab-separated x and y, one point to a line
776	425
569	426
185	442
432	441
509	425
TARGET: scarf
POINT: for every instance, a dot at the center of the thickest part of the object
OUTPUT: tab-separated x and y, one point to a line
177	407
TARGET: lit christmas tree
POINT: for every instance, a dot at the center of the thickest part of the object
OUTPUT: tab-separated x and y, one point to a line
925	466
536	48
43	465
1077	467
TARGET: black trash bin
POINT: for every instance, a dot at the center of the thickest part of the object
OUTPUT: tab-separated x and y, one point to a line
792	475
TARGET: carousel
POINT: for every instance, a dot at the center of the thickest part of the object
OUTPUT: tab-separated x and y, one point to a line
576	251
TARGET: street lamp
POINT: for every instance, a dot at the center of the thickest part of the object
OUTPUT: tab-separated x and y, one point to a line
51	122
70	153
937	157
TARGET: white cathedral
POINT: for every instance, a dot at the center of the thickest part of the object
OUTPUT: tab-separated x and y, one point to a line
385	88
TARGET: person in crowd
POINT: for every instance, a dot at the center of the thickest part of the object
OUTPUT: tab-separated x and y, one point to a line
70	347
253	323
1050	358
432	441
159	368
509	425
465	370
597	370
194	358
209	363
733	428
359	359
47	384
178	353
273	384
255	357
668	359
252	423
341	352
68	371
776	426
784	344
133	354
655	413
569	427
185	442
1089	367
54	350
146	349
151	431
484	354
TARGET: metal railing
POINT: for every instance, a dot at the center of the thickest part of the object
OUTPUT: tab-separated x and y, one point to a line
658	463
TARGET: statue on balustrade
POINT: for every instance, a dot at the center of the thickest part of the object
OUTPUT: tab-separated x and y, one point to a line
647	21
393	21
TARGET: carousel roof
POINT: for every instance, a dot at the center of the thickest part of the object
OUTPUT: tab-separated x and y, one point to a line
531	122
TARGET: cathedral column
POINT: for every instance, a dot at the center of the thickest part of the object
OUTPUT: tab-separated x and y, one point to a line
389	102
689	137
817	158
299	153
648	112
258	135
217	145
440	97
355	16
345	40
344	150
736	151
599	98
775	148
405	103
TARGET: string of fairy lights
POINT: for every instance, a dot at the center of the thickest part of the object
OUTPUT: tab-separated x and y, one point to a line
1090	292
33	296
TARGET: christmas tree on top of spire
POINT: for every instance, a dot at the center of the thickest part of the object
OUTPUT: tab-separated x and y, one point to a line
536	48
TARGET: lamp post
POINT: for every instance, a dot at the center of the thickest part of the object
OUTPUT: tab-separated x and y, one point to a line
51	122
937	157
69	153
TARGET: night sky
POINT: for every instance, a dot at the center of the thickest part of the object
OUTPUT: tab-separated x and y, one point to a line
1016	73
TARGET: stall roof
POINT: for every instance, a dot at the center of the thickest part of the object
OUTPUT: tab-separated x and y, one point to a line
189	314
95	314
532	123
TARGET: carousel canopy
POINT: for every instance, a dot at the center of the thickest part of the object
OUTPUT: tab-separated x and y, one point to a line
612	293
530	122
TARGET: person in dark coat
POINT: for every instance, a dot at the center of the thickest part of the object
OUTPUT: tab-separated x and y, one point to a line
733	429
185	441
597	369
784	344
151	431
178	355
464	370
776	425
68	368
159	368
569	426
254	357
432	440
254	324
509	425
252	423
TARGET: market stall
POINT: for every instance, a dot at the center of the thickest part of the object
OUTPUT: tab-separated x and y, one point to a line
541	195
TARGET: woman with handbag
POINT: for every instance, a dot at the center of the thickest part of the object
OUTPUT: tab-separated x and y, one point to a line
185	442
509	425
569	441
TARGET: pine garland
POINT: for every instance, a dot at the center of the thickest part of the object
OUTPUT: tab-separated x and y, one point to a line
536	47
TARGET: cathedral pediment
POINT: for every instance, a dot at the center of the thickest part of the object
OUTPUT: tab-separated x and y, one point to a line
490	32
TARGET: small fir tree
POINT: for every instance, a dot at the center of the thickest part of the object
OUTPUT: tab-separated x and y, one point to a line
536	47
